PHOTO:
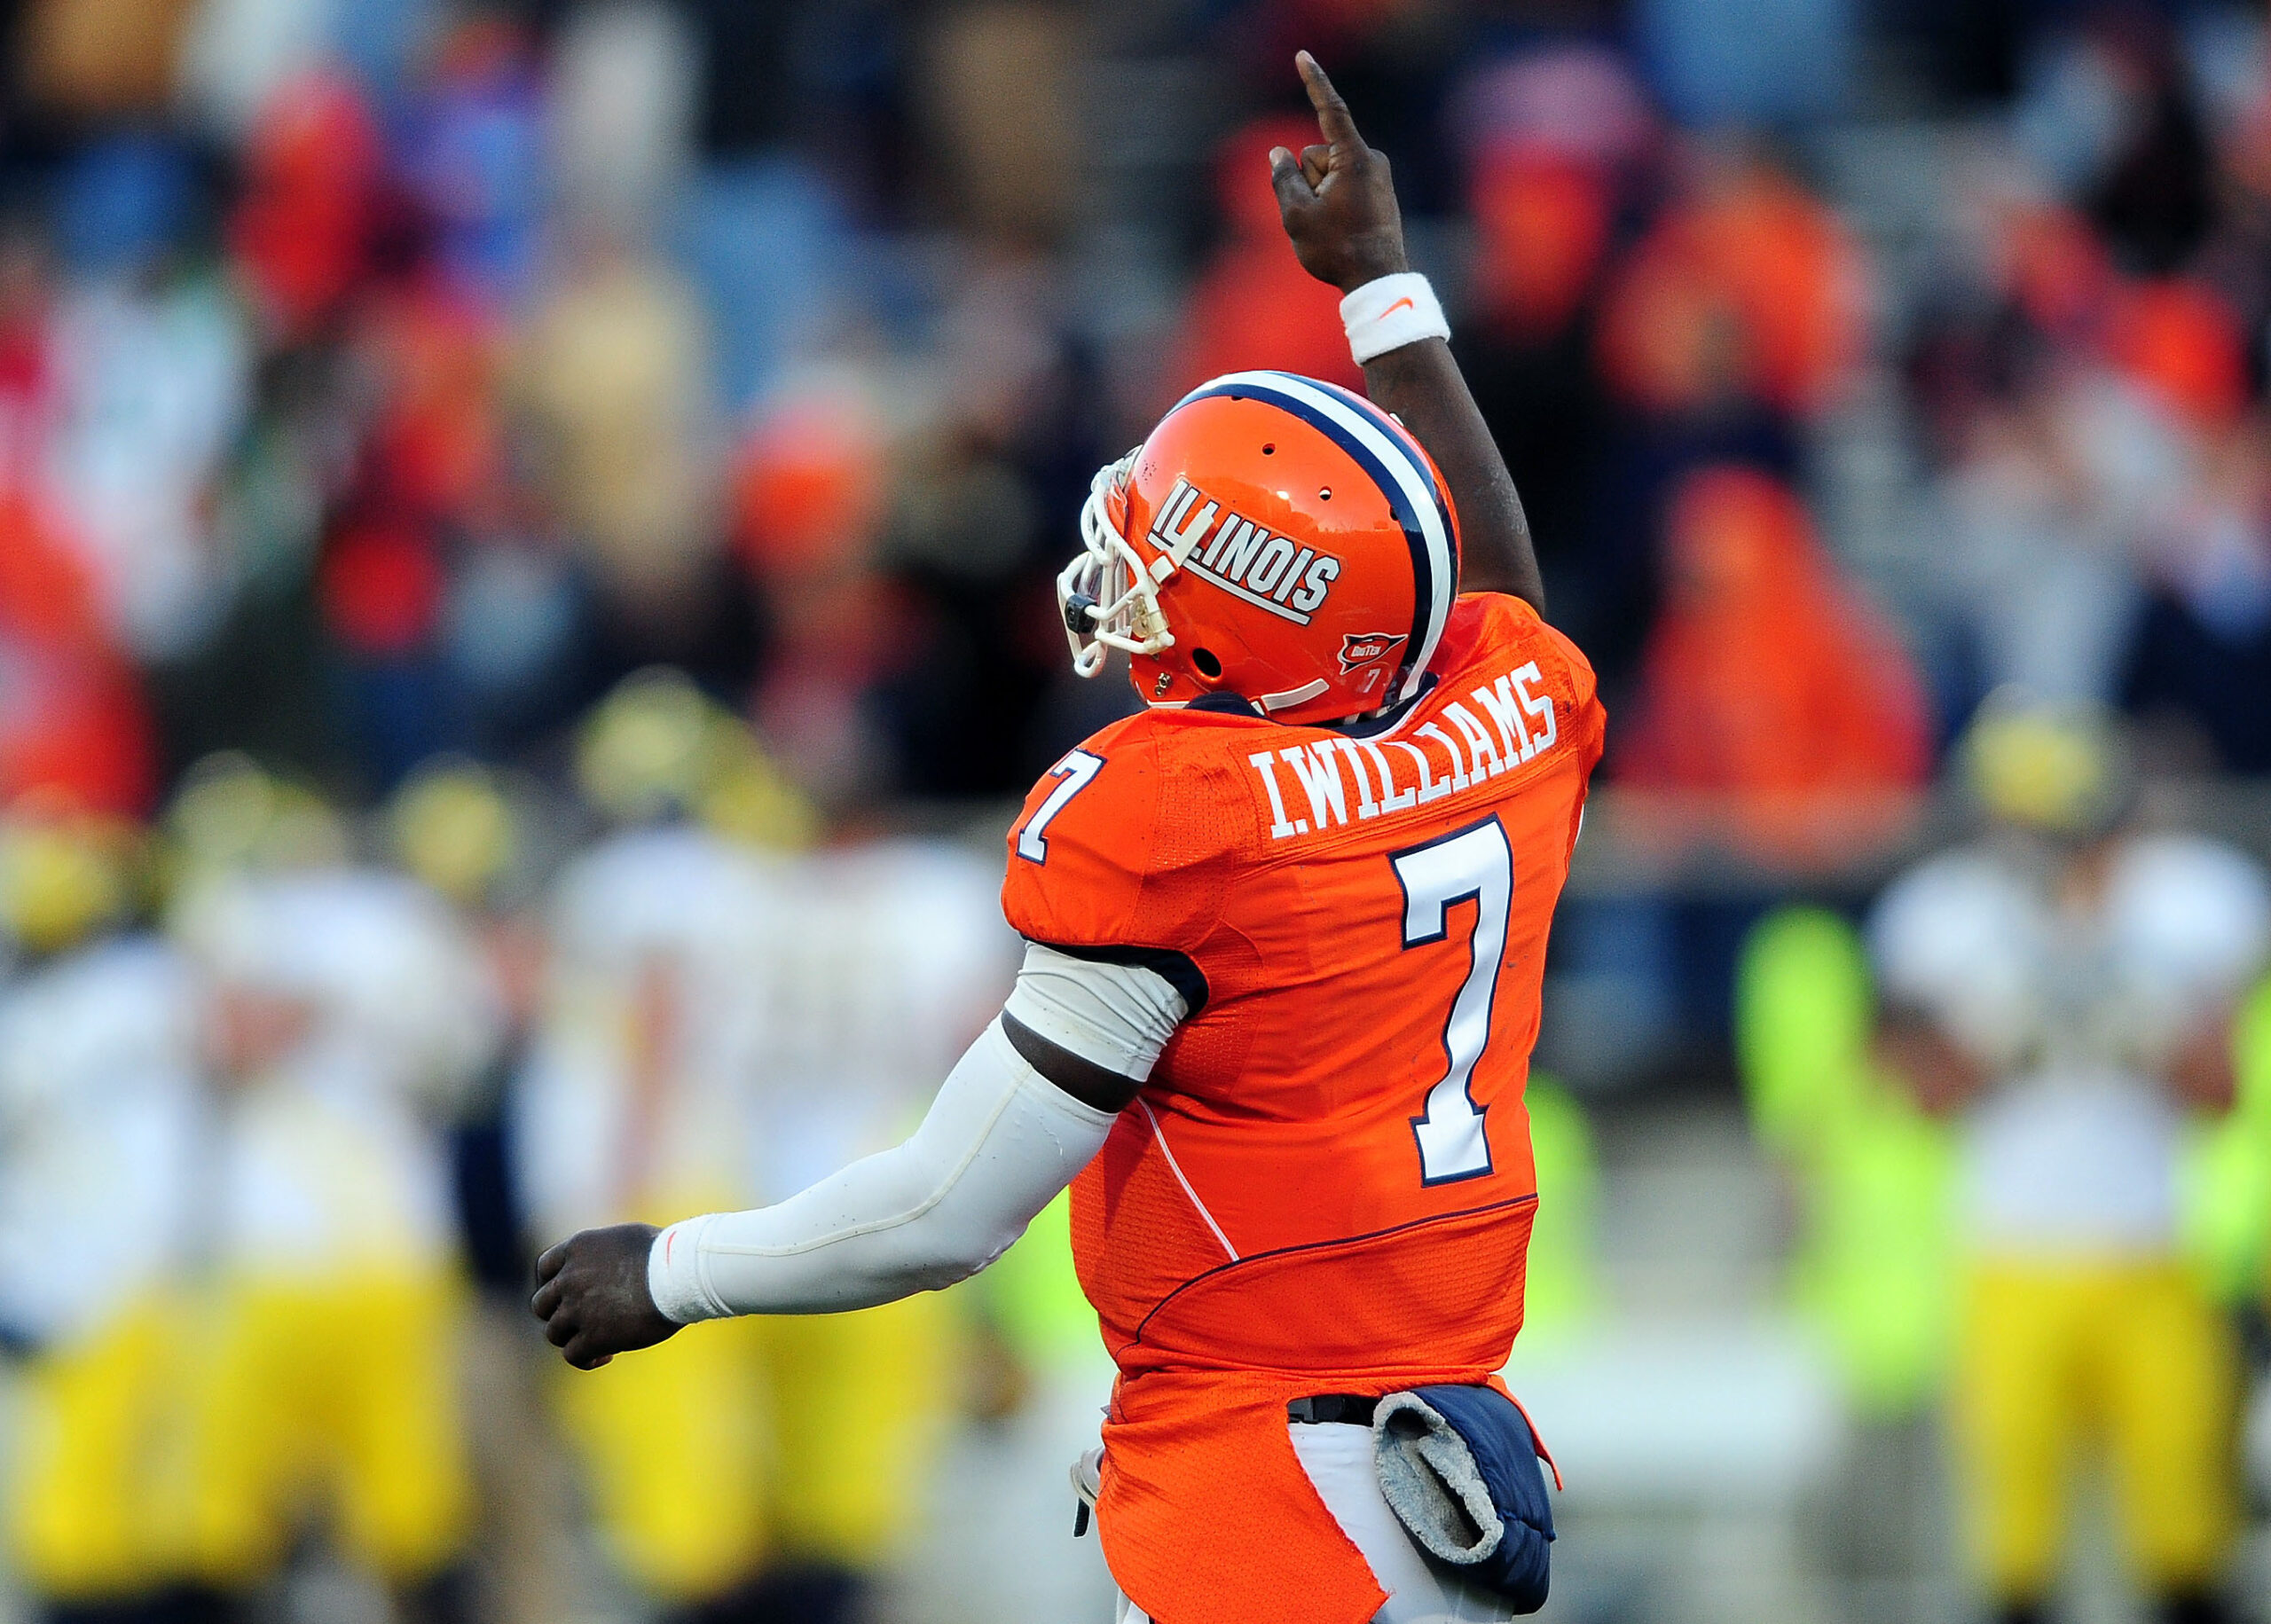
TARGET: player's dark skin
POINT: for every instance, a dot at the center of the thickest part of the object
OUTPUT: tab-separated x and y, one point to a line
1338	203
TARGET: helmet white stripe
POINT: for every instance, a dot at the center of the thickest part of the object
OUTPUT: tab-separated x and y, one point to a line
1290	389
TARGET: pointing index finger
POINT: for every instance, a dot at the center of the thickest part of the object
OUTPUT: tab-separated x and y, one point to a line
1332	112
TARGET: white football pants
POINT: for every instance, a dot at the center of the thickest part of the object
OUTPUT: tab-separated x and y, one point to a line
1338	1457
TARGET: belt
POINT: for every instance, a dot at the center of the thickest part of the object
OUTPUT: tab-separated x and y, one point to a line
1349	1409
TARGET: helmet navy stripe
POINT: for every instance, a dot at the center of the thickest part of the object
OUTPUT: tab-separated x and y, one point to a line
1262	386
1423	477
1401	439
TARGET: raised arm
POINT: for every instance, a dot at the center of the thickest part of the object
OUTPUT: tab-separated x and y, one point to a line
1338	206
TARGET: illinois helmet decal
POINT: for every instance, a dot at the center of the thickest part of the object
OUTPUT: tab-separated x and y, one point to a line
1275	537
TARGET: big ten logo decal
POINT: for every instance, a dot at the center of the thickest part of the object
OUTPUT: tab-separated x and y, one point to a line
1363	648
1230	550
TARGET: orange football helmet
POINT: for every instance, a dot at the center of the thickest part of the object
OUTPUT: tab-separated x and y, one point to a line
1277	538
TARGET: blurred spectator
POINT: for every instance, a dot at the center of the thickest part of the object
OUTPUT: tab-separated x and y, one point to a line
998	85
150	379
472	156
1870	1167
237	55
73	725
1730	325
1749	290
2048	502
1560	141
812	488
623	109
99	58
611	371
306	224
1252	304
102	1105
2201	660
1767	683
2067	987
2107	110
1869	1171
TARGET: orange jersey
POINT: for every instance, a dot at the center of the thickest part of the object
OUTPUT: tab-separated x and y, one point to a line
1326	1185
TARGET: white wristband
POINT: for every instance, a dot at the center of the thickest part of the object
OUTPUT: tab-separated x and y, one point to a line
1390	312
674	1273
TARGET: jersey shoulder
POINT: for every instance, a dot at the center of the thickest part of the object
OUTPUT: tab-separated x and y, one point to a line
1492	634
1132	838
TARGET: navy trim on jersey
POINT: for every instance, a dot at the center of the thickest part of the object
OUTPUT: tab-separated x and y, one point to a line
1388	719
1178	970
1258	386
1222	700
1224	1268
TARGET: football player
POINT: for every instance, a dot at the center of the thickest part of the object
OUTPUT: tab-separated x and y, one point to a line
1285	931
724	1023
2064	991
102	1111
349	1013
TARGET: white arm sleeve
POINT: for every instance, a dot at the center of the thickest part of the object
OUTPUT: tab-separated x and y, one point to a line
999	1141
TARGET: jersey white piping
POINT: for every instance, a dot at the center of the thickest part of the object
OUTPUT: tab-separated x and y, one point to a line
1175	1168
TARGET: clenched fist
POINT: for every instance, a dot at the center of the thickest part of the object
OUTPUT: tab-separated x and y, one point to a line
591	1295
1336	200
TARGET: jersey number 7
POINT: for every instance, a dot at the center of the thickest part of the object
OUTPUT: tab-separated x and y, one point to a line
1074	775
1476	862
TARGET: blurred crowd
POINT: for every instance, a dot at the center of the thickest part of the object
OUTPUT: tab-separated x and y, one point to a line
513	513
379	380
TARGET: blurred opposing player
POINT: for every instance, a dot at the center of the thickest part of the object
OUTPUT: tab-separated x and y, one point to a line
349	1012
2067	987
1286	929
728	1020
101	1104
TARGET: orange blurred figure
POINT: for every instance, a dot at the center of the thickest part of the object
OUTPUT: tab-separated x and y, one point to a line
1541	223
1766	681
2183	344
437	437
810	485
1253	305
73	725
1752	288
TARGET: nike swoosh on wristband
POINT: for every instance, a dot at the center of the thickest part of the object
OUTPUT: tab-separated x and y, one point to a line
1404	304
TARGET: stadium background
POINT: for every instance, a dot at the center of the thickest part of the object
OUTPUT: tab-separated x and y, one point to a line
383	387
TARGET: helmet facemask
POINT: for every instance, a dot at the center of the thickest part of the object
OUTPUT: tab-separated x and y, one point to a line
1109	597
